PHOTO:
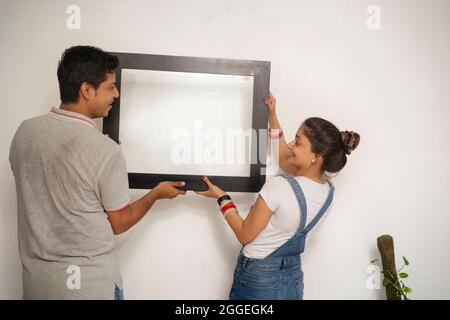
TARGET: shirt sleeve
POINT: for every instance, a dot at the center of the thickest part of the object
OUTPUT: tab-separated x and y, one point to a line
113	184
270	193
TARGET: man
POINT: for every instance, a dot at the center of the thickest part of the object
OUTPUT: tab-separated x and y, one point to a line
72	187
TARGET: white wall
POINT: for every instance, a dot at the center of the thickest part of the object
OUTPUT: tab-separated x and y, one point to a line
391	85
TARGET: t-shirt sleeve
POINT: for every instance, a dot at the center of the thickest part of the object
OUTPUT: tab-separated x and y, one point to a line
113	184
270	192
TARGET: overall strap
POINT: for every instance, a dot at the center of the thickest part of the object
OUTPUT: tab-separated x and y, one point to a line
296	244
323	209
300	200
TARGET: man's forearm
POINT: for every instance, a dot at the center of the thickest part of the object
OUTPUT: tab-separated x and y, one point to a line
134	212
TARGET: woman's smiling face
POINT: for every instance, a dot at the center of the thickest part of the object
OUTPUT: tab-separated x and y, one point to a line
301	155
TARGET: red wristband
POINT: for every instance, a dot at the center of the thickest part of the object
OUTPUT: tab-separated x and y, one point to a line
278	136
227	206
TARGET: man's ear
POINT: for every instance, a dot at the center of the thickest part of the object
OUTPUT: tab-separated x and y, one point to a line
87	91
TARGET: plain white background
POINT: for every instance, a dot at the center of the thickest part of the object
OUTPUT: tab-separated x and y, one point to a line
390	84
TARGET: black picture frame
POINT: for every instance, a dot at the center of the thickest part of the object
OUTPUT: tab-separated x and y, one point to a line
260	70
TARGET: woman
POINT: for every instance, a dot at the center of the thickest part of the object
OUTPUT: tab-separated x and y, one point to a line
288	207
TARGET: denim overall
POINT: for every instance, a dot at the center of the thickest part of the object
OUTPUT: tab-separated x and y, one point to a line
279	276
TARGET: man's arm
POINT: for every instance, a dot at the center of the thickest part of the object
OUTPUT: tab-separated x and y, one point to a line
123	219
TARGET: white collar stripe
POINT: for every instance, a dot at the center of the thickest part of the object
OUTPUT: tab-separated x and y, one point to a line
75	118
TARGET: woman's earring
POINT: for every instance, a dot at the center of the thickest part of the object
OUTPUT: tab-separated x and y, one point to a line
313	160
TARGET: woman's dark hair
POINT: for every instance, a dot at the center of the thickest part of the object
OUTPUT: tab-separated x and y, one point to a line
332	144
83	64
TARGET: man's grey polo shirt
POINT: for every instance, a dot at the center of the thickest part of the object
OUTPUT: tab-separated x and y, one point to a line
67	173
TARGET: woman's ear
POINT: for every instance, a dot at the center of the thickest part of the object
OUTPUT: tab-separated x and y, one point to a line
318	158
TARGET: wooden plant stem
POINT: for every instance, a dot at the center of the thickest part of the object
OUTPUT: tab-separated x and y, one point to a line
385	245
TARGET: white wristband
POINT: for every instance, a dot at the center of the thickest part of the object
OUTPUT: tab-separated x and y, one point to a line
228	212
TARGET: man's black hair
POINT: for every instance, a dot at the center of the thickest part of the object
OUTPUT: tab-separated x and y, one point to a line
83	64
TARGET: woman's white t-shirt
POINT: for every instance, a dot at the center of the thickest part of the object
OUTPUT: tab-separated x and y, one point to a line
285	220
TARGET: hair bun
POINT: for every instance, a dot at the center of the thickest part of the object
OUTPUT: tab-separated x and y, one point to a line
350	140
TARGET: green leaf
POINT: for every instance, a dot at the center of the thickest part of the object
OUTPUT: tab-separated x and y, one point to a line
403	275
386	282
407	290
373	261
406	261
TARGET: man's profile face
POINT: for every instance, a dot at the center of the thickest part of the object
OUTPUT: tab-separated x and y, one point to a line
104	97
